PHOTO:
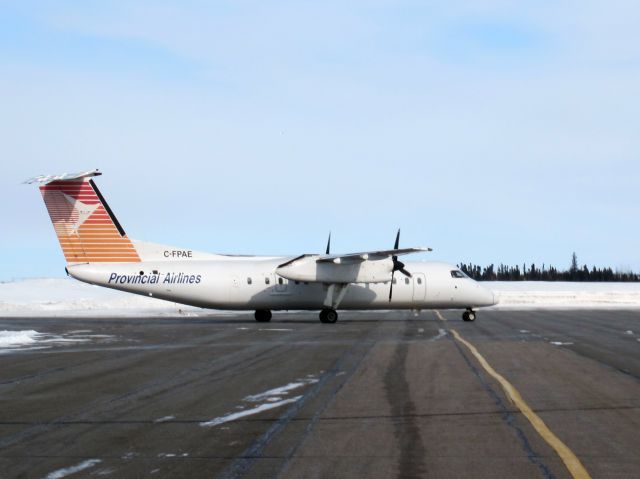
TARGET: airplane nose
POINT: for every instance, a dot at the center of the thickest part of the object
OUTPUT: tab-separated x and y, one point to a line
489	296
483	296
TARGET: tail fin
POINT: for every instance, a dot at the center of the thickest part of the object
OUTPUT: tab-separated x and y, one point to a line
87	229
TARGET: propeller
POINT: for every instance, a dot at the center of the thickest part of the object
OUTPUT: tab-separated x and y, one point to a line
397	265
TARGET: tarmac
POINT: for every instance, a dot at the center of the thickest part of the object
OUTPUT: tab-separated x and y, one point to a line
540	394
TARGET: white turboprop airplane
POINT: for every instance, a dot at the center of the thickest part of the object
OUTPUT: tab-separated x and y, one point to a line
99	252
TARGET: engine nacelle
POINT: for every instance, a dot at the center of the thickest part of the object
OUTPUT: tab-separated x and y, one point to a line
308	269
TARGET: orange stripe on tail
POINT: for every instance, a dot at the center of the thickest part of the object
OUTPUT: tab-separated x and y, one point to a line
86	227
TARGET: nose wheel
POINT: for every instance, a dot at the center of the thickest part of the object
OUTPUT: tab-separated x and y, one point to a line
328	316
469	315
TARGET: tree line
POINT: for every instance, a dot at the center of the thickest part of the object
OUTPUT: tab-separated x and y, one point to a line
546	273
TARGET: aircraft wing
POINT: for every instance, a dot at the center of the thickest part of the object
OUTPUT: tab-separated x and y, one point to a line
366	267
367	255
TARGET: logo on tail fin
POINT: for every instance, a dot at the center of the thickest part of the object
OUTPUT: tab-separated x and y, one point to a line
80	212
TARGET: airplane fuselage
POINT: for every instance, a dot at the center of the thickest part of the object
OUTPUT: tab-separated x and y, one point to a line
238	283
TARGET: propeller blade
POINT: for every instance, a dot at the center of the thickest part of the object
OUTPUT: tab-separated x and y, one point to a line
405	272
391	287
398	265
329	243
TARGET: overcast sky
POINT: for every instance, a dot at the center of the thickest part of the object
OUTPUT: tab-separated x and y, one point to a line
491	131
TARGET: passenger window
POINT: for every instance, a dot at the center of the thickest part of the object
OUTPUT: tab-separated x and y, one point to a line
406	281
395	280
266	281
297	282
419	280
280	281
249	280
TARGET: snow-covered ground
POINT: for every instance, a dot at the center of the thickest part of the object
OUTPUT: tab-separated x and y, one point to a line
51	297
61	296
556	294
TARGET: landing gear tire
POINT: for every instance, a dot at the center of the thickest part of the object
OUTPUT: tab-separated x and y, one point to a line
263	315
469	316
328	316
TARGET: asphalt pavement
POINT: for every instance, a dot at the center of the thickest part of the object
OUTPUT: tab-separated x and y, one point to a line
376	395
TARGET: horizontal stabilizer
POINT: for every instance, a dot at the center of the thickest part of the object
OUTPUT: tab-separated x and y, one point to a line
46	179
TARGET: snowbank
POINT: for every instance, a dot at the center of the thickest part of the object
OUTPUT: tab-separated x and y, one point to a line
557	294
57	297
53	297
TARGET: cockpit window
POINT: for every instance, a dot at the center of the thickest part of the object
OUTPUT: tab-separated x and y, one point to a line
456	273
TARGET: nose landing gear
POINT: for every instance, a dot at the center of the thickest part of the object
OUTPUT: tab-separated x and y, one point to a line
469	315
328	316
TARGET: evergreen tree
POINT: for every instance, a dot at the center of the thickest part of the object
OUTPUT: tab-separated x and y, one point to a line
573	270
547	273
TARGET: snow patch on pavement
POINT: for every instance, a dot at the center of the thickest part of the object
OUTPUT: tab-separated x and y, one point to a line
172	454
60	473
441	334
270	399
164	419
280	391
29	339
248	412
12	339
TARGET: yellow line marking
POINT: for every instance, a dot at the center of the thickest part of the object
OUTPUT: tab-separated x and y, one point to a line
570	460
440	317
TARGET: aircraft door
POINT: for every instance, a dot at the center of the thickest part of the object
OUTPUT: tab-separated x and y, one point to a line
419	287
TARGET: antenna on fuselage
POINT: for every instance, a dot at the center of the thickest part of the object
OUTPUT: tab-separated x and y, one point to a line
329	243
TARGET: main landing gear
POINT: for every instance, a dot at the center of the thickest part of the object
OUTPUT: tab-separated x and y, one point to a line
469	315
263	315
328	316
